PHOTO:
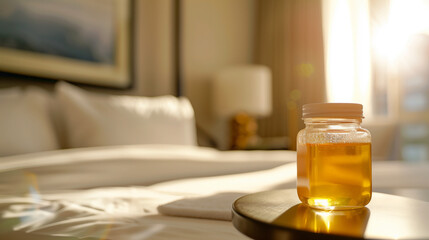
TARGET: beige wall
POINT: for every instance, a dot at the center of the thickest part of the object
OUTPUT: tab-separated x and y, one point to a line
154	47
216	34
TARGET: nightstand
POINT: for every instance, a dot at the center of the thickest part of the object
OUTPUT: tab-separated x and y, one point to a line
280	215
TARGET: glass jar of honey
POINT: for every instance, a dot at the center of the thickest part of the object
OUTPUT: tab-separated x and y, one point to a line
334	157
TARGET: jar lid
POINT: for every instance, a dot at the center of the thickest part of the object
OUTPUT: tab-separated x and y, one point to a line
332	110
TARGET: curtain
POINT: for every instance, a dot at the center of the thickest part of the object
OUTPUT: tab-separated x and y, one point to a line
290	41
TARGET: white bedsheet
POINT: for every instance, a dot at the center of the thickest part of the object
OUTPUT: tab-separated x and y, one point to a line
149	192
128	165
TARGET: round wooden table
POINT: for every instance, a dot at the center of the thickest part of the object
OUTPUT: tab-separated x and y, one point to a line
280	215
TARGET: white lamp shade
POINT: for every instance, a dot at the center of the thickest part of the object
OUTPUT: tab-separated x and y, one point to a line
242	89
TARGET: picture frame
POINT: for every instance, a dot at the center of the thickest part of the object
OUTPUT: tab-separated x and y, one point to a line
82	41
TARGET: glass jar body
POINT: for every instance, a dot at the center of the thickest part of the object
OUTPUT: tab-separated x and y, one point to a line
334	164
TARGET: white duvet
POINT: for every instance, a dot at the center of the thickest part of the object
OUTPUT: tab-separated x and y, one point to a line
150	191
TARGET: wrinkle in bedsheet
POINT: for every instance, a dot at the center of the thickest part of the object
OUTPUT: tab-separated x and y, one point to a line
114	213
97	212
91	213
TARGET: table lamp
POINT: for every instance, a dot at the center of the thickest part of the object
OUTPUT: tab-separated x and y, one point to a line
241	94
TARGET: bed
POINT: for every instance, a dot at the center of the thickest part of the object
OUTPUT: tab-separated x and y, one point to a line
105	184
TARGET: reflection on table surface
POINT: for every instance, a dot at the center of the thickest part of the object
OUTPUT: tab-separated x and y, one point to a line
348	222
278	214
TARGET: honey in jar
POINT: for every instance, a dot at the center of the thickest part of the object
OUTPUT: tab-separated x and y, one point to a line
334	157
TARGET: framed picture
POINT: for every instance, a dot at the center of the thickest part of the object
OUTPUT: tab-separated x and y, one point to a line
83	41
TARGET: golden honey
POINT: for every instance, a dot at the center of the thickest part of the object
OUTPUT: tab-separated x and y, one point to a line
334	157
334	175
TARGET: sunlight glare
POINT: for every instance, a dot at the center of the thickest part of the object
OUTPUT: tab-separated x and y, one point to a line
405	19
347	51
326	218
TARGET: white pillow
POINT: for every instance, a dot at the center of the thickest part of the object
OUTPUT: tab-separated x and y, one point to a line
100	120
25	124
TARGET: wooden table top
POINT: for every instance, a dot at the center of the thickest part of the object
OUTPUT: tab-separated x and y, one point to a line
280	215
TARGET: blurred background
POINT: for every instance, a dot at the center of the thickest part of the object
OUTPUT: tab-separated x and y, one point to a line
248	66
